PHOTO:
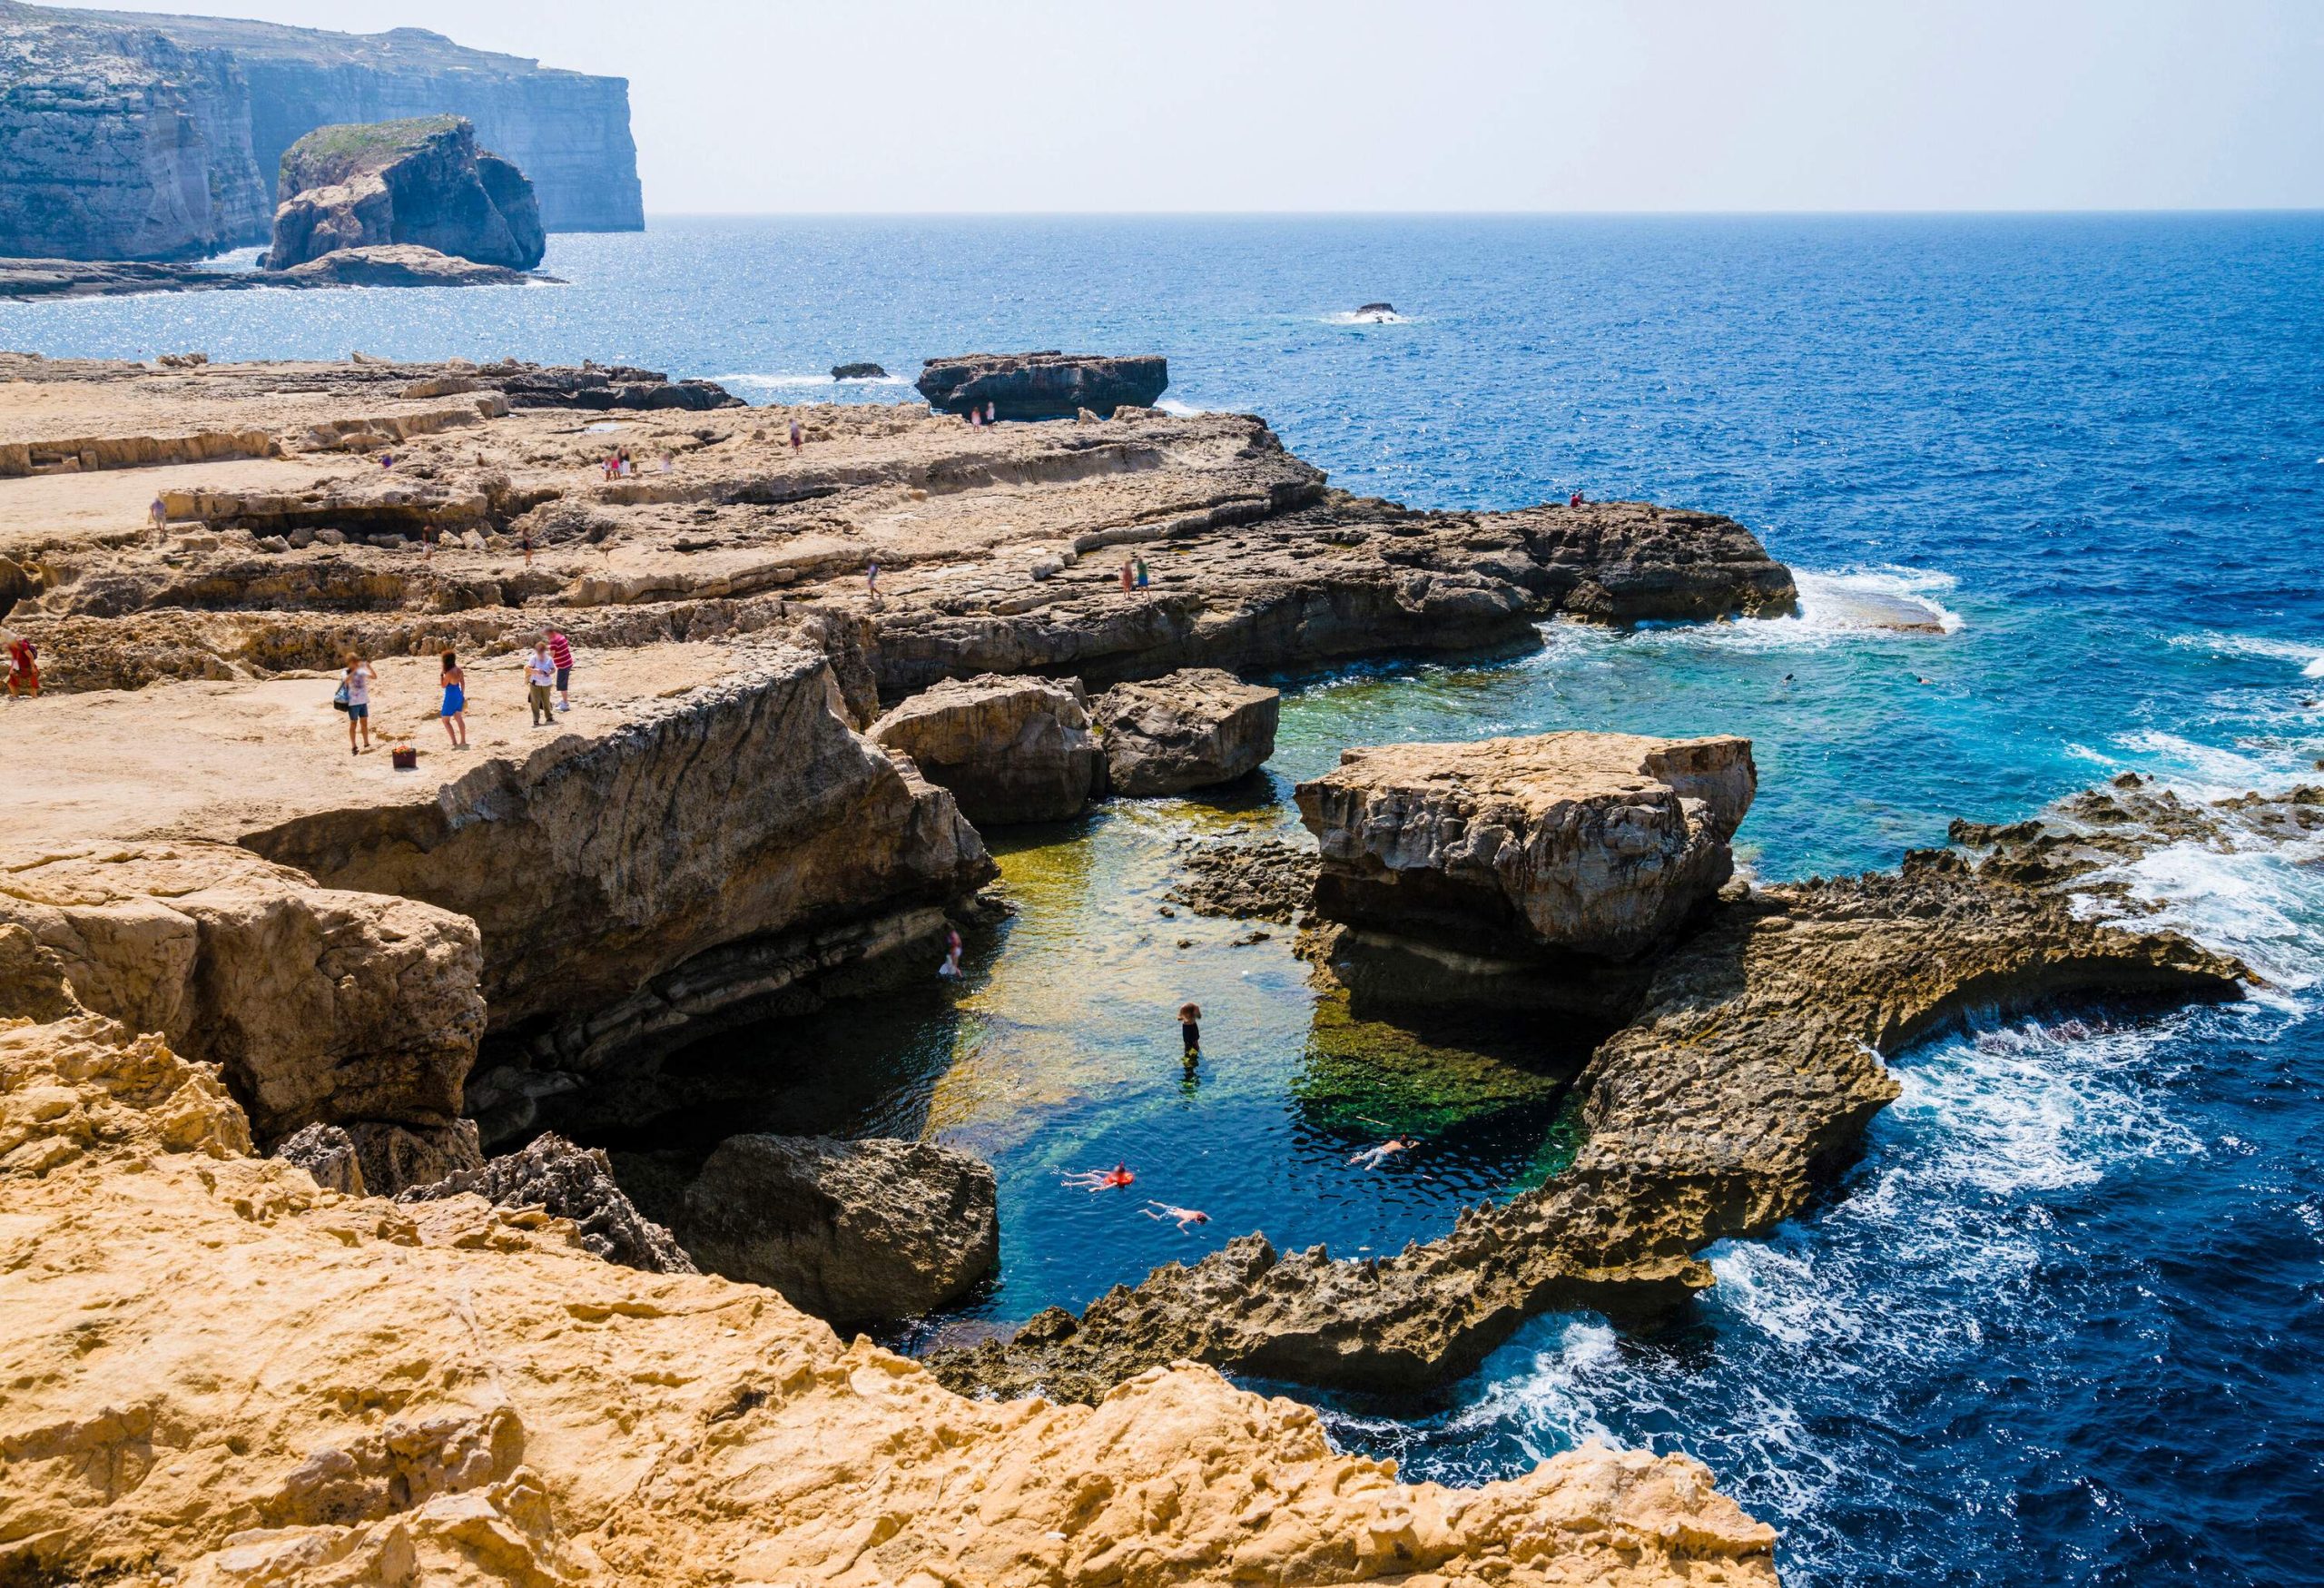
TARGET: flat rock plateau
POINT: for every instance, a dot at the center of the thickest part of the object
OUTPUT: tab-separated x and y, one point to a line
222	933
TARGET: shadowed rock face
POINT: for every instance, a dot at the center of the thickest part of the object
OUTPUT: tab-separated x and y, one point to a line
422	181
847	1230
1043	386
1745	1077
1189	729
1586	843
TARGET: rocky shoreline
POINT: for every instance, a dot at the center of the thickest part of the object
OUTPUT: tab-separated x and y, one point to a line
767	794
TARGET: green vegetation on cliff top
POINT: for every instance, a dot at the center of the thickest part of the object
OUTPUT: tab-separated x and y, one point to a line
353	144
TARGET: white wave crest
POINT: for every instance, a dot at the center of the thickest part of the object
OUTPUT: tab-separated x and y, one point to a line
1184	410
2309	657
1349	317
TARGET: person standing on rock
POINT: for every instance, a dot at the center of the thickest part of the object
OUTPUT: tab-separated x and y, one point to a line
798	438
357	686
871	581
456	702
540	674
560	651
991	414
160	513
24	666
1129	577
1140	562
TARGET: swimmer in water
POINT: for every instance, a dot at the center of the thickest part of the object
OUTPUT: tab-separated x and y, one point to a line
1182	1216
1371	1157
1097	1179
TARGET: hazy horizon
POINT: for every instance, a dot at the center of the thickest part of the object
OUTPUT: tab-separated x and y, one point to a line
1471	108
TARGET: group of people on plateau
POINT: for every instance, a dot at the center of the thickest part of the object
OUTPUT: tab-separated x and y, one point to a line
548	688
1134	574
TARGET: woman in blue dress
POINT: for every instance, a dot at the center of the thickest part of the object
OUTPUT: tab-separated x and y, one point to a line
456	702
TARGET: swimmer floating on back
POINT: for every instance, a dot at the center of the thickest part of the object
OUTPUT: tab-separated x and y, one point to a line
1099	1180
1182	1216
1371	1157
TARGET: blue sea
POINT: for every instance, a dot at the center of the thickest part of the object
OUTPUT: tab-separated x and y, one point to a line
2064	1322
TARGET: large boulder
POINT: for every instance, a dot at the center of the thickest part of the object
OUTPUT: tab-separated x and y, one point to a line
1189	730
322	1006
422	180
848	1230
570	1182
1009	749
1043	386
1587	843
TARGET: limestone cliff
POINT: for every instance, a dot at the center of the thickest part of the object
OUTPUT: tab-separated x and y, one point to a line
131	135
118	142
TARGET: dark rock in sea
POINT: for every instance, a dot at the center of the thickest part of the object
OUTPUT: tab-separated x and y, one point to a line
1377	309
1190	729
422	180
327	1153
858	372
604	387
848	1230
1043	386
568	1182
1267	881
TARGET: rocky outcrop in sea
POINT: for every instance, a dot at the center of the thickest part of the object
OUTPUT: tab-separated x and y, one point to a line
129	135
1043	385
421	182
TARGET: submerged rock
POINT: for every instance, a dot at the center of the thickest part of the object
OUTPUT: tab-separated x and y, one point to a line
1189	729
1009	749
1043	386
568	1182
1590	843
848	1230
422	180
1267	881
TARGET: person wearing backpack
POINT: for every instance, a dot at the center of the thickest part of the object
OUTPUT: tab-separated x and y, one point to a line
354	698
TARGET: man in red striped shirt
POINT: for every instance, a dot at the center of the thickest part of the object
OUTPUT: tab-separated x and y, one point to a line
560	651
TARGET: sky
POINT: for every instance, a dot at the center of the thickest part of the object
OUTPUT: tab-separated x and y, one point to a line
1450	105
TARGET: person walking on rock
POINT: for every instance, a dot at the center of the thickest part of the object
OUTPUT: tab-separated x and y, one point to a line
560	651
456	702
160	513
540	675
871	582
355	686
24	666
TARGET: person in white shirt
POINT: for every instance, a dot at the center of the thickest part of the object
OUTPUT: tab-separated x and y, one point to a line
540	677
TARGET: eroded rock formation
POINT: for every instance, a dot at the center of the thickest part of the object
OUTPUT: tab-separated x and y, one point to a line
1744	1077
847	1230
420	183
1043	385
1009	749
1189	729
569	1182
491	1402
1595	844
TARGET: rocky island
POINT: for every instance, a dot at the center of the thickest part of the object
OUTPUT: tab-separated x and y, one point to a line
282	1028
136	136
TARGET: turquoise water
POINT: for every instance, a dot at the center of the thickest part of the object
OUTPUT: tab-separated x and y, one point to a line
2066	1322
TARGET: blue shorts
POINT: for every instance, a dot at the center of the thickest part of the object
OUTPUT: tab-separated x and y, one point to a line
356	713
564	677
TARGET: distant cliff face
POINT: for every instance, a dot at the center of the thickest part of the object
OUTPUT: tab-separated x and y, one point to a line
125	136
421	182
117	142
